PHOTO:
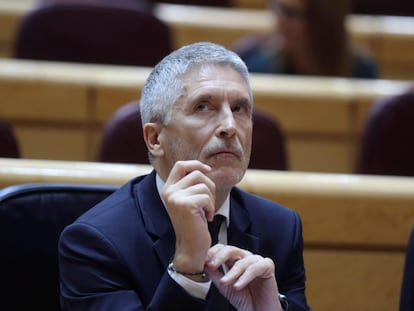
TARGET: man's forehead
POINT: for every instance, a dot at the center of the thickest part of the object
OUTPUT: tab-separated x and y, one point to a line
198	68
211	72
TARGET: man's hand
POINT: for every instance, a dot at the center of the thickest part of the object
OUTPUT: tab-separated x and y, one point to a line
249	283
190	199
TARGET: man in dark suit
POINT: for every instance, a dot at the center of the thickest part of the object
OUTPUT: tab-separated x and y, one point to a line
148	246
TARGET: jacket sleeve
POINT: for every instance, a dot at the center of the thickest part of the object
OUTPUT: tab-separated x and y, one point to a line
294	281
94	277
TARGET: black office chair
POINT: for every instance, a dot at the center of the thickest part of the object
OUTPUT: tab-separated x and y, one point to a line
32	217
9	147
407	288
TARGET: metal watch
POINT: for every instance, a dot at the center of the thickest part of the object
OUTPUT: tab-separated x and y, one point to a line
283	302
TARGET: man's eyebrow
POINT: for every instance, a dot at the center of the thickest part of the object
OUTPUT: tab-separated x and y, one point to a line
244	101
203	97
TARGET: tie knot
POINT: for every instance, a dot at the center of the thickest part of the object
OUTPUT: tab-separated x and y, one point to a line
214	228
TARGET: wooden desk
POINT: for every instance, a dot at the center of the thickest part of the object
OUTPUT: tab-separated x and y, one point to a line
355	228
389	39
58	109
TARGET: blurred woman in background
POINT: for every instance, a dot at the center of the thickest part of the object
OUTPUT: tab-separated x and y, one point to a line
310	38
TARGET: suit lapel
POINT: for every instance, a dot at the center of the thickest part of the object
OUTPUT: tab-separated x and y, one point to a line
155	218
240	222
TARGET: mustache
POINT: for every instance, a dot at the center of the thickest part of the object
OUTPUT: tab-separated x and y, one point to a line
225	146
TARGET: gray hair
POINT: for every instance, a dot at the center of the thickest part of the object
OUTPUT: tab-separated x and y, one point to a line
164	85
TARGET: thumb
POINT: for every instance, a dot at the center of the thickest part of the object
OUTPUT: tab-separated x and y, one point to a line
215	276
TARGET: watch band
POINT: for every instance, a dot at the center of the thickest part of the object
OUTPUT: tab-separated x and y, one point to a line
283	302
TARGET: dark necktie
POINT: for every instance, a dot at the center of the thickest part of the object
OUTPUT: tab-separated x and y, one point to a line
214	228
216	301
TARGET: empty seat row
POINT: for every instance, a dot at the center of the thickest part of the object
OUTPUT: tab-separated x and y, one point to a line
121	32
386	146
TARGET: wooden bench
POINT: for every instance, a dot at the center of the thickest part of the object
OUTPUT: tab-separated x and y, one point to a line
355	228
59	109
389	39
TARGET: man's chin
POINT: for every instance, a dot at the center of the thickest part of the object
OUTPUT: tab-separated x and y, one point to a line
226	176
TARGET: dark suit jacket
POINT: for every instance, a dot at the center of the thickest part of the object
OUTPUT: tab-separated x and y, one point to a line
115	256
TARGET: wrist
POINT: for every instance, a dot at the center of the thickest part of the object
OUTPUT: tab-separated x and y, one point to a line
188	263
283	302
197	276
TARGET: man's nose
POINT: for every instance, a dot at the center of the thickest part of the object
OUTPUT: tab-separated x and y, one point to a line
227	123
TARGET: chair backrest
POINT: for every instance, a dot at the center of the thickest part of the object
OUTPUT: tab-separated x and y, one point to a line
387	142
122	140
32	217
407	288
104	32
9	147
383	7
268	143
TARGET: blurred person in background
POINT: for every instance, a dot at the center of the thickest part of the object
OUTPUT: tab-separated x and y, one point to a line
310	38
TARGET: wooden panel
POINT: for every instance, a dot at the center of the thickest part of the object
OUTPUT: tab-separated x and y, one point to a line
322	117
347	209
59	142
117	86
36	100
321	153
305	106
7	30
220	25
353	280
10	15
365	31
41	90
360	221
398	40
17	171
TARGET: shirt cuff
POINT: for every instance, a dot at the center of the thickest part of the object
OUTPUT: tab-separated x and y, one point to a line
196	289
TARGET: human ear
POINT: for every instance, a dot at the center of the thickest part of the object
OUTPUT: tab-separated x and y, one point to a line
151	133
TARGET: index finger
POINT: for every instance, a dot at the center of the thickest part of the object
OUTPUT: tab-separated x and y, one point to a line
183	168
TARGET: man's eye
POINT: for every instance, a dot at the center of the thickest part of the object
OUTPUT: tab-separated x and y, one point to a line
237	108
202	107
240	108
